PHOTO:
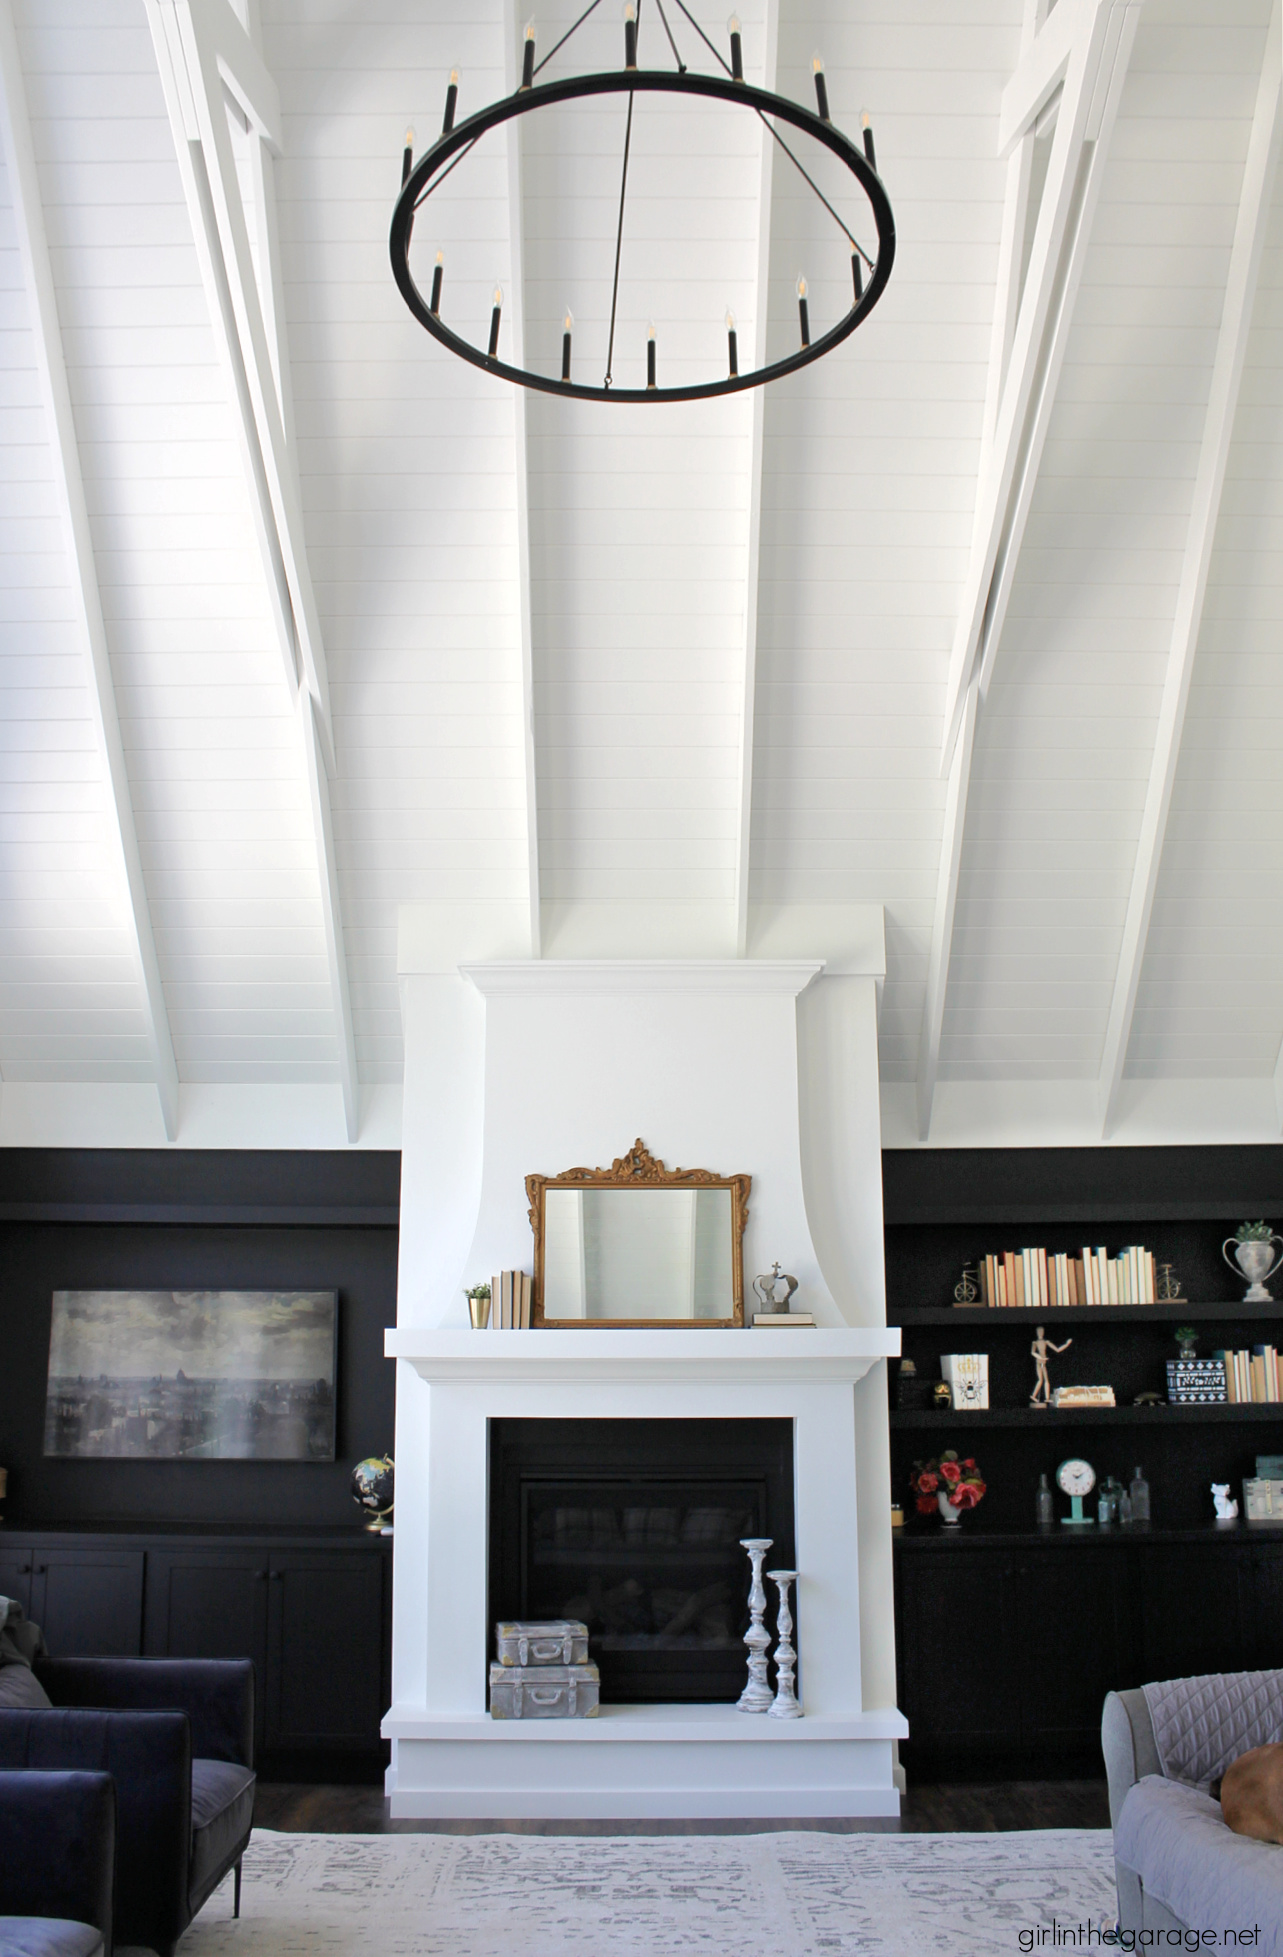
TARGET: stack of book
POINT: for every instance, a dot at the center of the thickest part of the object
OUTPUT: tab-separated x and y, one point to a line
512	1297
1041	1279
1251	1377
1083	1396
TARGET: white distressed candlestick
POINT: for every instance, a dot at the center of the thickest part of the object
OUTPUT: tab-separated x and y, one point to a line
756	1696
784	1705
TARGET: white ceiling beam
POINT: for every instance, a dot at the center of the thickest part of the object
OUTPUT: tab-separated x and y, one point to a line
1250	226
1012	340
204	53
516	311
33	250
1101	39
955	819
753	555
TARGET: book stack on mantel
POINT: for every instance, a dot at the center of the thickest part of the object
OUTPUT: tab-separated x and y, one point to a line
1042	1279
512	1293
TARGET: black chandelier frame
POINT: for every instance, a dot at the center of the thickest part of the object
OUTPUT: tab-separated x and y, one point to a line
432	168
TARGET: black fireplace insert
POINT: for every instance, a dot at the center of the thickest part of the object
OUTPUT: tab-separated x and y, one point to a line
634	1526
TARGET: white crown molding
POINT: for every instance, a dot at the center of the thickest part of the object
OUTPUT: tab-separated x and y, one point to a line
538	978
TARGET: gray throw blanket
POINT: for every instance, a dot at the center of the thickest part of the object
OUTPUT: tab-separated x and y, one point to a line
1201	1724
20	1643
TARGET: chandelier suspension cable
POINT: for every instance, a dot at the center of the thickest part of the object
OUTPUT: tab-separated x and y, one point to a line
681	65
716	52
591	8
619	231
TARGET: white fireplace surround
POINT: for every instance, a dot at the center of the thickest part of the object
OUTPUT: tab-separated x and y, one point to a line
528	1066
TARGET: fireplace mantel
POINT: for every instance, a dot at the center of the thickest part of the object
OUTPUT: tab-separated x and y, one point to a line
819	1353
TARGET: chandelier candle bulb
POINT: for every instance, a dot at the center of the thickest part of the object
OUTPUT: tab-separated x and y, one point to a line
451	100
803	313
567	328
528	57
494	322
437	270
630	34
407	157
732	343
866	128
821	88
650	354
737	48
857	276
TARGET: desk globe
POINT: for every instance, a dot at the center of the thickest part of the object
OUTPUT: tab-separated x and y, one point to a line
372	1491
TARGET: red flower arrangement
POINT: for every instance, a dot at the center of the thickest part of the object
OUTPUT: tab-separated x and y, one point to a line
961	1481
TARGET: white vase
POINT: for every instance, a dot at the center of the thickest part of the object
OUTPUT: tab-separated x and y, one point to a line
949	1515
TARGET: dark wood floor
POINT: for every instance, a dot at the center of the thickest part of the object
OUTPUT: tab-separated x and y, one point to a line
927	1809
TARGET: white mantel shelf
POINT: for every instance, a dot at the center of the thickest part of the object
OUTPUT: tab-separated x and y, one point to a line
824	1354
641	1724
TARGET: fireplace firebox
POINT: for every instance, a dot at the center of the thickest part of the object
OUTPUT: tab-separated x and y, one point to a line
634	1526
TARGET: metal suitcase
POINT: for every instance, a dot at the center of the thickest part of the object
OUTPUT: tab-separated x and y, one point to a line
544	1691
563	1641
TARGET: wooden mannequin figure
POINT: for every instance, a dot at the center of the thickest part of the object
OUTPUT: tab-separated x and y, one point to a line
1042	1345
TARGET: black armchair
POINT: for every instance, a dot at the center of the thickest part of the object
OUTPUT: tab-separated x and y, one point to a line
177	1736
59	1835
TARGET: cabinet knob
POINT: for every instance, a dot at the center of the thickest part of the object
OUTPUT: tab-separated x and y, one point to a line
42	1569
260	1576
276	1576
24	1569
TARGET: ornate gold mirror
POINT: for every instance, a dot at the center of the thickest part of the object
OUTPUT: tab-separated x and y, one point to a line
638	1244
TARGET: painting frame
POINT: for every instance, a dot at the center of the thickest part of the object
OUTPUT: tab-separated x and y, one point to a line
144	1374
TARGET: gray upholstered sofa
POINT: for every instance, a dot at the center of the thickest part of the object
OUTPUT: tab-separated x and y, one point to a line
1179	1867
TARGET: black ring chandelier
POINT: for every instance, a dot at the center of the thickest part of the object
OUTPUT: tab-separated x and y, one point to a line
419	181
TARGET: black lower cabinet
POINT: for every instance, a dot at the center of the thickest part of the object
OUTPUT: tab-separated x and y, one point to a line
314	1616
1006	1649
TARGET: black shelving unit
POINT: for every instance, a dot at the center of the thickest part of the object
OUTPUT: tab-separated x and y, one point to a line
1064	1615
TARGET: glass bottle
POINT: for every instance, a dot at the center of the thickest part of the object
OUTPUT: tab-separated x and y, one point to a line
1140	1497
1044	1504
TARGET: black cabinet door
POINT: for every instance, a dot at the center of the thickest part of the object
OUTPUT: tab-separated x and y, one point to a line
960	1679
1190	1610
325	1645
89	1602
1263	1608
15	1576
1071	1619
210	1603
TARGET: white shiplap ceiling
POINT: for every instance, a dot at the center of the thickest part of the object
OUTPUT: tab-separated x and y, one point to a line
510	657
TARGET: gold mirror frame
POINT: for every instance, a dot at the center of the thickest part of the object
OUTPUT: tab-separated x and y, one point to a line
639	1169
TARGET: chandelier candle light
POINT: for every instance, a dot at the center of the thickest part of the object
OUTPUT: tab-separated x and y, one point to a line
870	271
650	353
567	328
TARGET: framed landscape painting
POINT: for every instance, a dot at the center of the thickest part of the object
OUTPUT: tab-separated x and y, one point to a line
192	1375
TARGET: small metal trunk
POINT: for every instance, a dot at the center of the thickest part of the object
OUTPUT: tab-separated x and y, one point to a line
562	1641
544	1691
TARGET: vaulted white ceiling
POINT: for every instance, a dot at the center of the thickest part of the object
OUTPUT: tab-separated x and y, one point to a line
979	619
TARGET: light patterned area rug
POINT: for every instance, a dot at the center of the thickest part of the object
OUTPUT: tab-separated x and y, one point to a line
803	1895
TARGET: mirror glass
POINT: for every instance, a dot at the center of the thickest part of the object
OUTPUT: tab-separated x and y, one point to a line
637	1253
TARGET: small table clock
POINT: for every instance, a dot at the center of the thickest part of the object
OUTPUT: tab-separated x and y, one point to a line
1076	1478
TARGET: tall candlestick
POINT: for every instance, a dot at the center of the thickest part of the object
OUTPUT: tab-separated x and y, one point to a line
494	323
821	88
650	354
451	98
567	328
857	276
528	57
803	312
756	1696
732	343
434	304
407	157
630	34
785	1705
737	48
867	128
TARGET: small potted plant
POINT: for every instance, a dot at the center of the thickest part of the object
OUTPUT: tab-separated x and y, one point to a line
1186	1338
948	1485
478	1297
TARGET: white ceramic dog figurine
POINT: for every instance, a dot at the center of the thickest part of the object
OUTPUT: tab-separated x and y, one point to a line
1226	1511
